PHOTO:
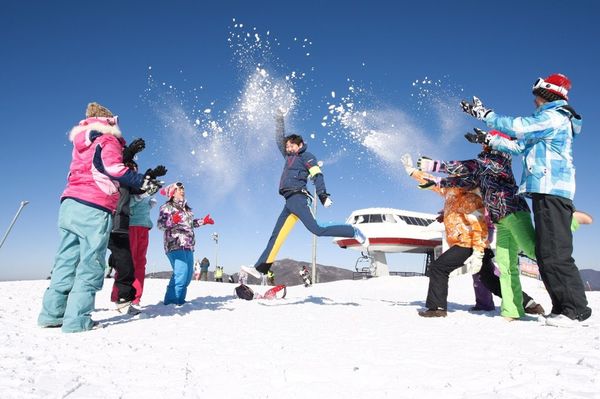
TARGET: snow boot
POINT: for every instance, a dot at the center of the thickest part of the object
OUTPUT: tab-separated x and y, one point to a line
534	308
433	313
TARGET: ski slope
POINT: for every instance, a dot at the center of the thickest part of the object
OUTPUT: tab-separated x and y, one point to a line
346	339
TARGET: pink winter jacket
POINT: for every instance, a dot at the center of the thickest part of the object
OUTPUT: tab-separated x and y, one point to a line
97	167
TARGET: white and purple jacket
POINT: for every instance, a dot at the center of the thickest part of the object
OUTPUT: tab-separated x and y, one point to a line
97	168
178	231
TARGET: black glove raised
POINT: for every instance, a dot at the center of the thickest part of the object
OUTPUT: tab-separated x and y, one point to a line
479	137
160	170
133	148
323	197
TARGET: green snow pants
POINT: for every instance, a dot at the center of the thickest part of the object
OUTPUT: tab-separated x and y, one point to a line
513	233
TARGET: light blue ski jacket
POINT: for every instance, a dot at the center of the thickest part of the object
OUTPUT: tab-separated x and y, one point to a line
139	210
545	140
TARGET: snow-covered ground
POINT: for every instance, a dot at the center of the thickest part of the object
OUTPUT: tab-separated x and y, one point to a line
347	339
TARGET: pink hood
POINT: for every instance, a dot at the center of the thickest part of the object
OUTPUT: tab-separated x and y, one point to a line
97	154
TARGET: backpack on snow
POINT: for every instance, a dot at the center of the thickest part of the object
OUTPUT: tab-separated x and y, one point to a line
244	292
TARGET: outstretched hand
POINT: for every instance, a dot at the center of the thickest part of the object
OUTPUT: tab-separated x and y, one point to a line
160	170
150	186
475	108
176	217
429	184
474	262
479	137
132	149
427	164
407	162
325	200
208	220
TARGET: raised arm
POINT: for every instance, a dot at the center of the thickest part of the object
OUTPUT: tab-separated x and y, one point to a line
280	131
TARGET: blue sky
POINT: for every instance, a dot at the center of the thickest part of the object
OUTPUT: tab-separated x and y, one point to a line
364	82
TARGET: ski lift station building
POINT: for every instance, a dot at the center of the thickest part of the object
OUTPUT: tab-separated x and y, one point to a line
391	230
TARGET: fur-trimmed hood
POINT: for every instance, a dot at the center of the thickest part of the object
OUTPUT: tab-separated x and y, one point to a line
99	124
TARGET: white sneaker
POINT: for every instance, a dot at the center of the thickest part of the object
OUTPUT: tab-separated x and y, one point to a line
251	271
561	321
133	310
123	306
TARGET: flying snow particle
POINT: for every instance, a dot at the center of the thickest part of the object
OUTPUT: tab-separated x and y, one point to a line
207	111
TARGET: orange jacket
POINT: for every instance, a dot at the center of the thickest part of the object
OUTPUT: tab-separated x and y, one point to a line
464	218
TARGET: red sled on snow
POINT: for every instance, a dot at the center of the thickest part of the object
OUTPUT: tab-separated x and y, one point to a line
245	292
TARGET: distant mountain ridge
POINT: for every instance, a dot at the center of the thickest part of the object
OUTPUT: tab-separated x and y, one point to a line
286	272
591	279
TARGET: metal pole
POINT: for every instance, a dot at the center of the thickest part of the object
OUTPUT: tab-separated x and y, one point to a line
215	237
23	203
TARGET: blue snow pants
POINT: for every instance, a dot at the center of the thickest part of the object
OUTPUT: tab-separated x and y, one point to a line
78	271
182	262
298	207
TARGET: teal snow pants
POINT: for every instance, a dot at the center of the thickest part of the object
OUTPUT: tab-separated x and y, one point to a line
78	271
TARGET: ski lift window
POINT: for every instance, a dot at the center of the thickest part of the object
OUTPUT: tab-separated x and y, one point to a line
359	219
376	219
414	221
387	218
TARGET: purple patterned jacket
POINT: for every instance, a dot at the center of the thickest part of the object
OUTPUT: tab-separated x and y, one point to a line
492	173
178	234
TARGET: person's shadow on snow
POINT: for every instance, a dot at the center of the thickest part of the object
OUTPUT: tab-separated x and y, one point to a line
452	307
317	300
161	310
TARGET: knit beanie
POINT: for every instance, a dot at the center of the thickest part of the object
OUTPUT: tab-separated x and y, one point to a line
97	110
169	191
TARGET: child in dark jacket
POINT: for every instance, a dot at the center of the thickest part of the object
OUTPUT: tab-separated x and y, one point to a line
126	288
300	165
